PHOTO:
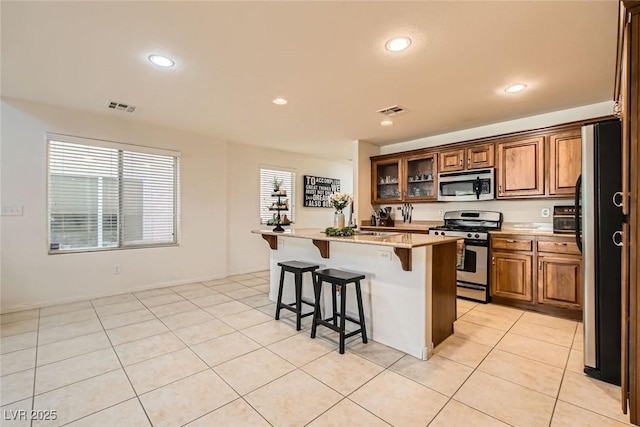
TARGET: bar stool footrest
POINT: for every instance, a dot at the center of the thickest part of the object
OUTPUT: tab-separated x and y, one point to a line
293	304
293	310
350	334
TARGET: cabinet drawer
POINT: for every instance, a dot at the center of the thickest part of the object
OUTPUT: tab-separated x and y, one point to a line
511	244
558	247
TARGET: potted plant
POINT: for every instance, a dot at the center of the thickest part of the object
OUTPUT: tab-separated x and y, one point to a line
277	183
339	201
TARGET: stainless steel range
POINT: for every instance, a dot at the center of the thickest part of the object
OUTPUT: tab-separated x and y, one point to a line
473	271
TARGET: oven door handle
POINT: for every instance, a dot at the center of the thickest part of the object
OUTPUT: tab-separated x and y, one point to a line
470	286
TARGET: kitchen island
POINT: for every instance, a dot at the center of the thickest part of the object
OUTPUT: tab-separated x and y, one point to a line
409	292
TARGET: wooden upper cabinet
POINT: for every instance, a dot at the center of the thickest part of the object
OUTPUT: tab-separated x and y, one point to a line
565	161
520	168
480	156
451	161
420	177
386	180
474	157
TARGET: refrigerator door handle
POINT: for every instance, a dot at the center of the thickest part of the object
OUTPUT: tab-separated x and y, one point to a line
615	203
617	242
577	212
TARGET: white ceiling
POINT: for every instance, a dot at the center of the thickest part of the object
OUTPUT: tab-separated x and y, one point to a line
326	58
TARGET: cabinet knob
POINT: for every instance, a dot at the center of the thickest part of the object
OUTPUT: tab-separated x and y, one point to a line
468	162
460	162
499	188
493	260
539	265
510	241
561	243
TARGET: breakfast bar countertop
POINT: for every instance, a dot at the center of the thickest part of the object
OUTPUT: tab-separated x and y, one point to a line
395	239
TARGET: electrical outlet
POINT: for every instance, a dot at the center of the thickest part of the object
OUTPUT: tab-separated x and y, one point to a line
116	269
281	243
440	213
384	256
545	212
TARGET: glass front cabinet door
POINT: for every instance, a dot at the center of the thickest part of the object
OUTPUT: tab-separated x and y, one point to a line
386	186
420	175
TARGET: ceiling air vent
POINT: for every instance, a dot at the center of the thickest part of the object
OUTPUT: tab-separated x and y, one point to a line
122	107
392	111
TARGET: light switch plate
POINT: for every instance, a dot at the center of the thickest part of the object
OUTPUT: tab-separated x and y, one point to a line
12	210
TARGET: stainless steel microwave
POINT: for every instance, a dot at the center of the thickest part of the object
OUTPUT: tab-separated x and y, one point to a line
478	184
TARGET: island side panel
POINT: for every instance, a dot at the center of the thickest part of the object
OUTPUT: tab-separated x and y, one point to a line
443	294
393	299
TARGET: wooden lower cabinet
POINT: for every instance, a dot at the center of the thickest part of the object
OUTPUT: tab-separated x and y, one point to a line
541	273
511	276
560	281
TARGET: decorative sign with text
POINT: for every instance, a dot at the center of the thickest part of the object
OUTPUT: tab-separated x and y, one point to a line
317	190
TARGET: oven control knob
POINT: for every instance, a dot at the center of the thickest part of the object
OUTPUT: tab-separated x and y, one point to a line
468	234
436	233
477	236
442	233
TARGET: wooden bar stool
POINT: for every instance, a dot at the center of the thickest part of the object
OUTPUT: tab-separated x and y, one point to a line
339	280
298	269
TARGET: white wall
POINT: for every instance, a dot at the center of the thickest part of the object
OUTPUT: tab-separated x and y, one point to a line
249	252
31	277
218	206
362	151
534	122
522	210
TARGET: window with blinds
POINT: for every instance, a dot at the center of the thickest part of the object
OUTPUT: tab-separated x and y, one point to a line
268	201
104	195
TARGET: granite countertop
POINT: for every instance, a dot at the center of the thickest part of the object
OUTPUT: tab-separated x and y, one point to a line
404	226
393	239
527	228
530	228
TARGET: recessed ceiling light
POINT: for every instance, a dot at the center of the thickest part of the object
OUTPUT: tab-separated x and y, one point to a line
397	44
386	122
161	61
280	101
516	88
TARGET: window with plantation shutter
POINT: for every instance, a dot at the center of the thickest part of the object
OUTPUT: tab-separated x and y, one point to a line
104	195
267	201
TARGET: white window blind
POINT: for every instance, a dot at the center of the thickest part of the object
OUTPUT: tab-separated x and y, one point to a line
267	200
102	197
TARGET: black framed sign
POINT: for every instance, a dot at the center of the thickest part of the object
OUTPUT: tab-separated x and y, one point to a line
317	190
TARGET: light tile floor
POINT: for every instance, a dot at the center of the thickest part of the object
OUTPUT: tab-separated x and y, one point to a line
210	354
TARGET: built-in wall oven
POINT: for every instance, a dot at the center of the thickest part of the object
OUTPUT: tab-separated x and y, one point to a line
473	261
470	185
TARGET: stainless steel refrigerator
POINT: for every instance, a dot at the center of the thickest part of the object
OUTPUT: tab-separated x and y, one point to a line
598	227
